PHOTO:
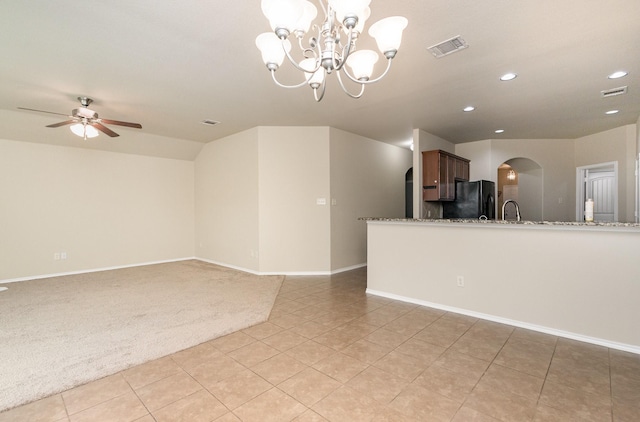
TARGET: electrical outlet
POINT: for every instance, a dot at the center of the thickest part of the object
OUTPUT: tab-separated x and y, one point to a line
460	281
56	256
63	255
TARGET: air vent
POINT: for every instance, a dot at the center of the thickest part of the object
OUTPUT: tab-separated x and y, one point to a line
614	91
209	122
447	47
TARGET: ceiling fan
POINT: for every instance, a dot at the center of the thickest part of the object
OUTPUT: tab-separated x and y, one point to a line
85	122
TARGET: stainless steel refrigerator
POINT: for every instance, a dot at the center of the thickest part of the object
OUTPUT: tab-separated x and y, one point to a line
473	200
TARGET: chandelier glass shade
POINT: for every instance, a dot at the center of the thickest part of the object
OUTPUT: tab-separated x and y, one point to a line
327	46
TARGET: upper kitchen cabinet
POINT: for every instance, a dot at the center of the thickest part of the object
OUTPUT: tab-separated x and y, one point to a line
440	170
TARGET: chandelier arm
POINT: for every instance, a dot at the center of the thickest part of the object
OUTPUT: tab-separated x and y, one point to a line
296	65
346	91
346	50
273	75
315	93
370	81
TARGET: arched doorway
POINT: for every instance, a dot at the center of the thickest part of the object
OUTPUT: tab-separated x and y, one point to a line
520	179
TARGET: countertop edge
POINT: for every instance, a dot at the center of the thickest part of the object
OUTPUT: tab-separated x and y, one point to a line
602	226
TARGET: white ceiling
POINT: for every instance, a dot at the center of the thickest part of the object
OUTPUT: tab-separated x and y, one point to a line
171	64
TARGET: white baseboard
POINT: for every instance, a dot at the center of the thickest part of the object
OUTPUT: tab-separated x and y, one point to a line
222	264
93	270
559	333
297	273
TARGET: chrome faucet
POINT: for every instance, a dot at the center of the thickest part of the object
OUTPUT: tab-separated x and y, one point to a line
518	217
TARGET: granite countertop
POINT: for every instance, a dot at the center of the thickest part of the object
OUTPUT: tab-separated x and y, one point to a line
502	222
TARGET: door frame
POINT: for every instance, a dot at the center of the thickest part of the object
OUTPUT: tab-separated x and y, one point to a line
581	176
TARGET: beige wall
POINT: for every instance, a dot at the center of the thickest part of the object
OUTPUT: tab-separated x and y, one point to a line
226	201
103	209
576	282
367	179
294	231
257	197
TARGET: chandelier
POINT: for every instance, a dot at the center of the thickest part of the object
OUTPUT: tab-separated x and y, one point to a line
325	48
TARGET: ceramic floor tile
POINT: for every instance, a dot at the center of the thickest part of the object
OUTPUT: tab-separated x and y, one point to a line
466	414
253	353
271	406
378	384
198	407
215	370
96	392
591	376
190	358
476	344
340	367
310	416
278	368
366	352
454	385
588	407
239	389
310	329
424	405
425	353
232	341
263	330
526	356
284	340
50	409
462	363
124	408
309	386
286	321
401	365
150	372
501	405
509	381
346	404
167	390
310	352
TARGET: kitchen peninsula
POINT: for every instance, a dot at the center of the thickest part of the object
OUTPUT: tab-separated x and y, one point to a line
576	280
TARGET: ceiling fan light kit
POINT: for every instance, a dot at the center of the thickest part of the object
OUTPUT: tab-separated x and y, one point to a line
85	123
326	47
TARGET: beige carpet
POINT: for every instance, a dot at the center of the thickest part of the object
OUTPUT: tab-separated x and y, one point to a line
60	332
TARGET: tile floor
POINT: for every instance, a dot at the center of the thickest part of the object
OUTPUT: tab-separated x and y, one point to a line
330	352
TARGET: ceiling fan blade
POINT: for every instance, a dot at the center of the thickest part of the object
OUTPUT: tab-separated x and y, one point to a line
117	122
42	111
104	129
66	122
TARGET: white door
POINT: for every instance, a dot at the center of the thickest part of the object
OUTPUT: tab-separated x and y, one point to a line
600	183
600	186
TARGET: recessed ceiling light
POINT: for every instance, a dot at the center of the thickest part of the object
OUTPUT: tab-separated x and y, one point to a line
612	112
469	108
500	131
618	74
508	77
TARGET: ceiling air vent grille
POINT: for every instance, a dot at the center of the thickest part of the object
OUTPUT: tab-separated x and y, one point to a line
447	47
614	91
210	122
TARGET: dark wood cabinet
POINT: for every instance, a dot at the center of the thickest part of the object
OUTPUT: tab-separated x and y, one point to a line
440	170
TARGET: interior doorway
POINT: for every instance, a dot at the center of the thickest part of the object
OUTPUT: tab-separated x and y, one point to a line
600	183
520	179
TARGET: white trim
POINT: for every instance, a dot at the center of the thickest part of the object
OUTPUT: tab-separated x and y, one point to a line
234	267
94	270
514	323
297	273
